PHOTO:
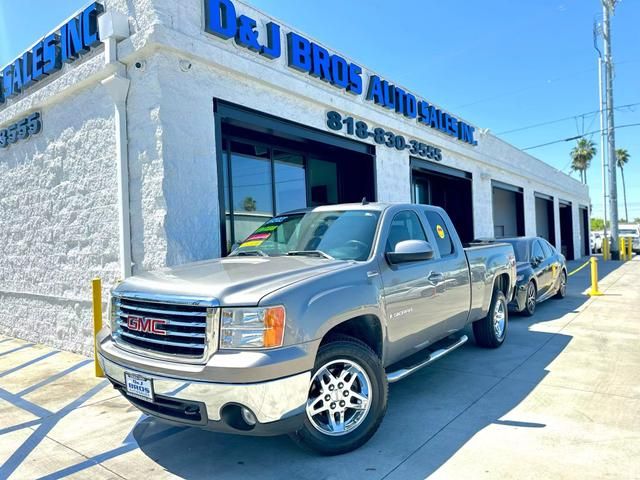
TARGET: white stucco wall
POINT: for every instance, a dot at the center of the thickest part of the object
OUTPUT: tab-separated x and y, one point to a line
58	197
58	222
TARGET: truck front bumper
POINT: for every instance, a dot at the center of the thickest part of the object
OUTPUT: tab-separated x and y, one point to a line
277	406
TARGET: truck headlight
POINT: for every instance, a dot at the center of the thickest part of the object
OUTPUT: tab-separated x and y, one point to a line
519	278
261	327
112	318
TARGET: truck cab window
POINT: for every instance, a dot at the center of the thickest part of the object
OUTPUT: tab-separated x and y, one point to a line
440	232
404	226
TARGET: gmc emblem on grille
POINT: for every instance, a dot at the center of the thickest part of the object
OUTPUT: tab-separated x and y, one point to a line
145	324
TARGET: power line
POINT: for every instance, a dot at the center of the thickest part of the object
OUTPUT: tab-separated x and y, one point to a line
579	136
550	122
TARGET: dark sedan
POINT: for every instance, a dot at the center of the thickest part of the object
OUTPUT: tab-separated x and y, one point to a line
542	273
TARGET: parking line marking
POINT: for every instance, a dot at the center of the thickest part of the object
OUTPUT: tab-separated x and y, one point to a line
55	377
21	347
116	452
31	443
26	364
23	404
20	426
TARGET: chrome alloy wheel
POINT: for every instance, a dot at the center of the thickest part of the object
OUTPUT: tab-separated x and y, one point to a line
563	284
531	297
339	397
499	319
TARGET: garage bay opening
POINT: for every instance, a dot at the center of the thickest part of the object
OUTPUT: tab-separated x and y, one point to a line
545	217
508	210
566	230
585	247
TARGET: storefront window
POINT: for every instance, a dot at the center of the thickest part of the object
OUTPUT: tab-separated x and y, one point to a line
323	182
251	187
263	179
290	181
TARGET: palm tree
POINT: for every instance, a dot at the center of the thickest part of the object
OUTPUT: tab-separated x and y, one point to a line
622	157
581	156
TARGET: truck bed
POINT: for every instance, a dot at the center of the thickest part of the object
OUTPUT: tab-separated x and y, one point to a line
484	259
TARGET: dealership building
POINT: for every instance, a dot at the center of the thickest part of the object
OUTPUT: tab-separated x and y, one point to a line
139	134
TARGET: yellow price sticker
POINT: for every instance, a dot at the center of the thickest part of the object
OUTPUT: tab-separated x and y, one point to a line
440	231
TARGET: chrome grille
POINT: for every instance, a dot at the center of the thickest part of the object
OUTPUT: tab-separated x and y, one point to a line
181	329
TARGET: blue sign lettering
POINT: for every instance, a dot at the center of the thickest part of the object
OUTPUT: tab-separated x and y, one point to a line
51	54
221	21
74	38
375	90
299	52
220	18
355	79
272	49
305	56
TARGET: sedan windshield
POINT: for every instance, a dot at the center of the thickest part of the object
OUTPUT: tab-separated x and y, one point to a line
346	235
628	231
520	247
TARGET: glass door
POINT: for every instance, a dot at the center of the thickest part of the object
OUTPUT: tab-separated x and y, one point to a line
260	182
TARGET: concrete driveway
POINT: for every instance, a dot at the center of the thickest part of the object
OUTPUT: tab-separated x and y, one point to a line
561	399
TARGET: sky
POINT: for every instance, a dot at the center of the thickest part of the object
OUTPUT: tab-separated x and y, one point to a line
500	64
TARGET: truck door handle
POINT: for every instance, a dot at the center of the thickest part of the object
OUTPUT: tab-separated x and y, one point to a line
435	277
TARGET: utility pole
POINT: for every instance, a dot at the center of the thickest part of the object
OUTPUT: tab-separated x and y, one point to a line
607	10
603	156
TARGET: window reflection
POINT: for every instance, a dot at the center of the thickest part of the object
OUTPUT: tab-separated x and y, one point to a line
290	185
251	188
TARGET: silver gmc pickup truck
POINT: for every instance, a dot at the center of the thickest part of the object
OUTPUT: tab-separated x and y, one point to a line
303	326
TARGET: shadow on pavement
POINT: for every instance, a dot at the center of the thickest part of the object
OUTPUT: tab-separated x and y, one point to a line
420	409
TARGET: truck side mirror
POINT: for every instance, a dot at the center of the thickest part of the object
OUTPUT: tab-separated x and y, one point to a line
410	251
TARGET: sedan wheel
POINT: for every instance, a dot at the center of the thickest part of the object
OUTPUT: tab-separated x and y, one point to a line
562	288
531	300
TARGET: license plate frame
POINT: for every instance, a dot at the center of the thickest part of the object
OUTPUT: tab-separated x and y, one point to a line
139	386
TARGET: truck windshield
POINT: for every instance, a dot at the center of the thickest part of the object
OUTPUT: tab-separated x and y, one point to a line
346	235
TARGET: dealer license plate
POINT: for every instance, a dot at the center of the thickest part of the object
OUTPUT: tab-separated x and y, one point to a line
138	386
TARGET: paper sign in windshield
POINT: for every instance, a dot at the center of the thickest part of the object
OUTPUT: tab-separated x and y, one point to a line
269	228
251	243
255	239
276	220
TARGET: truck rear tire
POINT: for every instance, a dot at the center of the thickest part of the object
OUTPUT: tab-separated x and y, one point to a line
347	398
491	331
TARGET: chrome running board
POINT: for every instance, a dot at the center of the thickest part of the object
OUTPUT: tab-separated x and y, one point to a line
433	356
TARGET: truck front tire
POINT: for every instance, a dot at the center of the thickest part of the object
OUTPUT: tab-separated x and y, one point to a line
347	398
491	331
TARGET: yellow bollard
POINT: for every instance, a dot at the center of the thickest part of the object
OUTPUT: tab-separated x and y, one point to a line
629	248
594	292
605	248
96	285
623	251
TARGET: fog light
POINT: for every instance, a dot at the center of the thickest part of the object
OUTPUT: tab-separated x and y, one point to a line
248	416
